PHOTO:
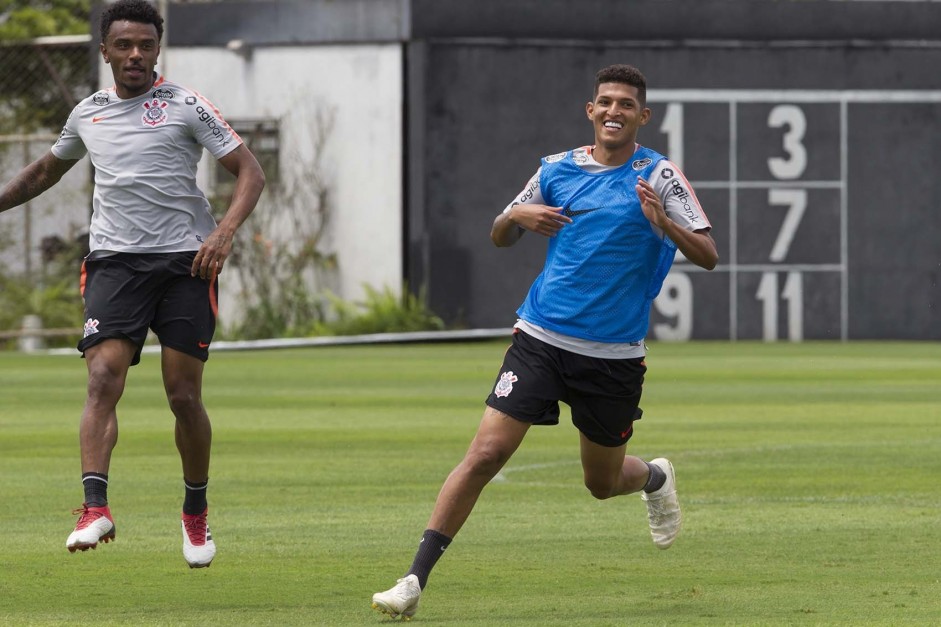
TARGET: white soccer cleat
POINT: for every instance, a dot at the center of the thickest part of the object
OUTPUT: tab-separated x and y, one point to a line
198	547
401	599
663	508
94	525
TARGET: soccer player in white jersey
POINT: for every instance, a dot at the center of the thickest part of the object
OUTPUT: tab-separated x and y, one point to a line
615	213
155	253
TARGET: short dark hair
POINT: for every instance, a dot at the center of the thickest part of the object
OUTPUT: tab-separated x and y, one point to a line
620	73
139	11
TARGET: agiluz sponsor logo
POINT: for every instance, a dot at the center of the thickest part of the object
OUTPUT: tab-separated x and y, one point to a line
213	125
682	195
528	194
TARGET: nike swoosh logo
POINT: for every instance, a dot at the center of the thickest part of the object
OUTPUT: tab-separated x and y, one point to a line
571	213
202	344
97	120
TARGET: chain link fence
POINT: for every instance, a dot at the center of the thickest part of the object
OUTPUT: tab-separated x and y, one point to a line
42	242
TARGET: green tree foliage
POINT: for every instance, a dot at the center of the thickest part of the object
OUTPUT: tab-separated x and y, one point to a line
39	85
25	19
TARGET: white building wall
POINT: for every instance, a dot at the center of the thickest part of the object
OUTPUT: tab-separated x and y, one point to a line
62	211
362	86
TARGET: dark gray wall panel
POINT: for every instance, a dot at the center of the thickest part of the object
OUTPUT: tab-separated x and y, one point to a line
287	22
278	22
895	237
675	19
493	108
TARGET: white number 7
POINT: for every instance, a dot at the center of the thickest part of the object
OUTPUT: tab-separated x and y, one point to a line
796	200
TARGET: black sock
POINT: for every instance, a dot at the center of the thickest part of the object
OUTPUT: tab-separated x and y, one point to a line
195	500
96	489
430	548
656	479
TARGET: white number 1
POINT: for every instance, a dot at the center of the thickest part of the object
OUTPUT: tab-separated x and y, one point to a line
672	127
793	293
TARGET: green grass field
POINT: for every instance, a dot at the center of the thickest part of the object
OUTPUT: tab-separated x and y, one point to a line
809	475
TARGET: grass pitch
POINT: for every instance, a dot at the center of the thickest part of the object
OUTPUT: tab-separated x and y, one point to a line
809	476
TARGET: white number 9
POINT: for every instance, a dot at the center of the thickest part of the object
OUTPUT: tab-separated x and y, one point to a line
675	301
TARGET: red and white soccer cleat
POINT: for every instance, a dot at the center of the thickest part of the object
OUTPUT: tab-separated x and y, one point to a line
94	525
198	547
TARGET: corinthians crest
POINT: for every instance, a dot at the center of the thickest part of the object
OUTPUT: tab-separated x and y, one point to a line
154	112
505	384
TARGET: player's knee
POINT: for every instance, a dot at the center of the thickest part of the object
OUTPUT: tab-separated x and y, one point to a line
105	384
185	403
485	460
600	489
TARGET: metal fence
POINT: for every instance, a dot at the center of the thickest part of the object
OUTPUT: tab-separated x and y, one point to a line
41	80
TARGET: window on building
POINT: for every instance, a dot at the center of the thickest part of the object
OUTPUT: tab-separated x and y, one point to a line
262	137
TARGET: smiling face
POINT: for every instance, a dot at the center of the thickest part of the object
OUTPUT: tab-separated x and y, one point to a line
131	48
616	113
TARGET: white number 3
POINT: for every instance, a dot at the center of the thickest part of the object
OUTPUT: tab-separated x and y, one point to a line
795	163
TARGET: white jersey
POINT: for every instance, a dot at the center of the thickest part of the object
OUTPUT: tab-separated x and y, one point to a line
679	203
145	151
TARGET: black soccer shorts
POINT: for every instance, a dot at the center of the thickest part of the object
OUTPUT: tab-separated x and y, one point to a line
604	394
127	293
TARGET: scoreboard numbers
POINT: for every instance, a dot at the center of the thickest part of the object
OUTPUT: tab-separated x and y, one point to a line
675	303
672	127
769	170
796	202
792	119
792	294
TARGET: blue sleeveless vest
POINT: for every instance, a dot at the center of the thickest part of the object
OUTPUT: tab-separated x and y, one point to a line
604	269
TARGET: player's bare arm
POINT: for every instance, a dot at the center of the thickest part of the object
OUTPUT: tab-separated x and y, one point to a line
33	180
510	225
250	181
697	246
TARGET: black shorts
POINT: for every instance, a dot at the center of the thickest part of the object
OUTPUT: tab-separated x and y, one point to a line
604	394
127	293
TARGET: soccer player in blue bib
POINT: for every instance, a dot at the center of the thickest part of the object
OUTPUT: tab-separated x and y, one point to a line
155	252
615	213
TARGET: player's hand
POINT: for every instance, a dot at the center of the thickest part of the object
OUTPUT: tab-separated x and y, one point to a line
211	256
651	204
540	219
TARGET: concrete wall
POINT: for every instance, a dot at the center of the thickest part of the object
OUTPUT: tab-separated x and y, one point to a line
360	86
493	86
443	108
62	211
